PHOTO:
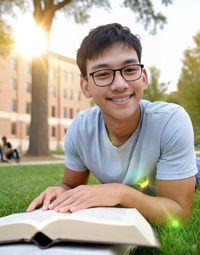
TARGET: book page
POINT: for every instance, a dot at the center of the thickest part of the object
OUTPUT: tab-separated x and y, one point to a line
36	216
106	215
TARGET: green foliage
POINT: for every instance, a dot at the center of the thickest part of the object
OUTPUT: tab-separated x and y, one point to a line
80	9
5	39
44	12
146	14
8	6
155	90
188	93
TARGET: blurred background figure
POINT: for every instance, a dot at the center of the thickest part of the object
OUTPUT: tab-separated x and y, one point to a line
8	152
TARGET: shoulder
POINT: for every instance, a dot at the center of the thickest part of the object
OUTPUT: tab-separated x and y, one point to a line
167	121
87	115
86	122
159	107
164	112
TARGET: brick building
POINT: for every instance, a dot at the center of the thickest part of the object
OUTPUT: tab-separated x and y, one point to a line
65	98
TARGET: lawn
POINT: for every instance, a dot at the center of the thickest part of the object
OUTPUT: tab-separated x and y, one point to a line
20	184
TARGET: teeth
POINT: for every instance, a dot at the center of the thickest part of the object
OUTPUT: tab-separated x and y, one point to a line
120	99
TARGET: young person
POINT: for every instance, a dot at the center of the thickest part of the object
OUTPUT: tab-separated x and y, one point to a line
132	146
8	152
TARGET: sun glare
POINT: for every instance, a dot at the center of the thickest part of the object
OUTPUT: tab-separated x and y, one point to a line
30	40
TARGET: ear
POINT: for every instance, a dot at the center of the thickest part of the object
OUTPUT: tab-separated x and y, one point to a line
144	78
85	87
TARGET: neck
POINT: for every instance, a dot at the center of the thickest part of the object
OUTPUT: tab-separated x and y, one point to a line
119	131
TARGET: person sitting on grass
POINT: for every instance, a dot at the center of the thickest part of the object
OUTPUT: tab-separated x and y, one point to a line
8	152
141	152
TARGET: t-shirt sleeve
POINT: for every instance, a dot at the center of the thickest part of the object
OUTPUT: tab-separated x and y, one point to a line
177	157
72	157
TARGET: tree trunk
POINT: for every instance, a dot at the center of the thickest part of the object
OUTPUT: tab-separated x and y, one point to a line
39	140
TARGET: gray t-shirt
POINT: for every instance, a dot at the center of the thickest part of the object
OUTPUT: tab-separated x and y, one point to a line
161	147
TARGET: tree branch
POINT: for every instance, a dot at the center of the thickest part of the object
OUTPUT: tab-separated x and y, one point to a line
37	9
62	4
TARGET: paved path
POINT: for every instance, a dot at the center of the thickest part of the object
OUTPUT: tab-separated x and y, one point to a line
26	163
58	160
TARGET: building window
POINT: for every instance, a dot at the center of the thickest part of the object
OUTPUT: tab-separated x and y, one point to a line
13	106
27	87
65	93
71	113
53	131
65	112
53	111
28	107
53	91
27	129
13	129
52	72
13	84
77	95
70	94
27	68
13	63
68	76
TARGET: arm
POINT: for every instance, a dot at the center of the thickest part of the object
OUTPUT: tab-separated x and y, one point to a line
173	200
7	148
70	180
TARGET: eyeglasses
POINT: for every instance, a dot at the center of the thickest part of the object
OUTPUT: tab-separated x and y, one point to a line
105	77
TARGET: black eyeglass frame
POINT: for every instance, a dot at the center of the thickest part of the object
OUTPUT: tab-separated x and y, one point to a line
114	71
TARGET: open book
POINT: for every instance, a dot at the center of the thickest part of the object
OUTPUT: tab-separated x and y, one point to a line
111	225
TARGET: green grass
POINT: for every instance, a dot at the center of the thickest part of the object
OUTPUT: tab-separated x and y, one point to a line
20	184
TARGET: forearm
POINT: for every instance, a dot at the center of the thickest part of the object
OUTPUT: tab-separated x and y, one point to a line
157	210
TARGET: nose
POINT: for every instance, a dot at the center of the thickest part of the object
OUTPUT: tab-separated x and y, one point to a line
119	82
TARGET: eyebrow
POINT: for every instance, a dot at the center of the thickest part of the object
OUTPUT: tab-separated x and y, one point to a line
127	61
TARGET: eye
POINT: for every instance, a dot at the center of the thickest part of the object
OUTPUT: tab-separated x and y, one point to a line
103	74
130	69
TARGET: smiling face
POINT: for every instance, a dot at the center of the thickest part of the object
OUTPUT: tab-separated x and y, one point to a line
120	100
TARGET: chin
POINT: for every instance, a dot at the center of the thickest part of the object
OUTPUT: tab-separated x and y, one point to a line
123	115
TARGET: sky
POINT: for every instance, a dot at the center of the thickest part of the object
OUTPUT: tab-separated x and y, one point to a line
163	50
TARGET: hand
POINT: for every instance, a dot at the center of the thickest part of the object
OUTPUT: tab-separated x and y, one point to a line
46	197
85	196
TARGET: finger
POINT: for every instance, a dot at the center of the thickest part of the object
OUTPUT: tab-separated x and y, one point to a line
80	203
81	206
49	196
67	195
37	201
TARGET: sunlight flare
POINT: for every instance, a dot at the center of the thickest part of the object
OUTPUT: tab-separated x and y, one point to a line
143	182
174	222
30	39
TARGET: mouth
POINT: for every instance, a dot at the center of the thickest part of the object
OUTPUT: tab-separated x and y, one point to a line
120	98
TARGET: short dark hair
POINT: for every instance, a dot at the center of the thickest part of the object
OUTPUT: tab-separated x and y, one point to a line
102	38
